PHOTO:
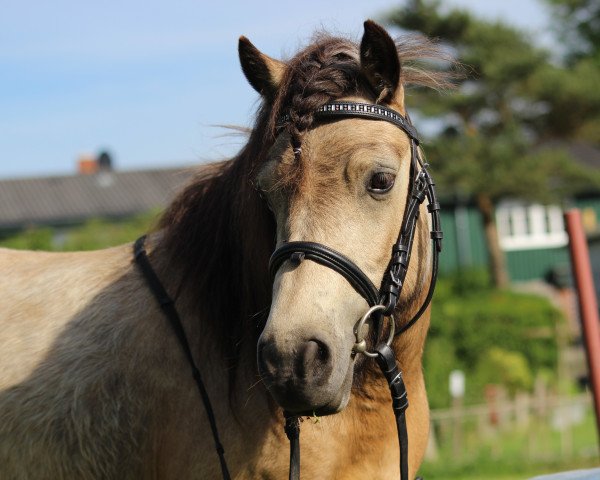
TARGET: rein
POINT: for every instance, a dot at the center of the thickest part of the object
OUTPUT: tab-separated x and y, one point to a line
167	305
382	301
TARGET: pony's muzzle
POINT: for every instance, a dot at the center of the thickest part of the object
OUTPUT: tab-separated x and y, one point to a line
299	375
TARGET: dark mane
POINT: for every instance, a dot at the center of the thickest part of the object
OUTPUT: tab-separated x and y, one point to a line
218	234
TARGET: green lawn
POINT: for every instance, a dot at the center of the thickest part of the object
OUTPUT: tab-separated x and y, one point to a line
516	454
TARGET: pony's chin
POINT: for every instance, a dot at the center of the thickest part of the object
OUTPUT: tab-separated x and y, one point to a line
341	401
336	404
332	409
319	411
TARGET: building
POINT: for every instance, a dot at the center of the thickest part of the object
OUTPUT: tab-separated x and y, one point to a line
532	235
64	201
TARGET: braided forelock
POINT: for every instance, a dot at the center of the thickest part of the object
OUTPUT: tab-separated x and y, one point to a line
327	70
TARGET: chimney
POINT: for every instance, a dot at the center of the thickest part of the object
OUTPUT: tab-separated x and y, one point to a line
86	165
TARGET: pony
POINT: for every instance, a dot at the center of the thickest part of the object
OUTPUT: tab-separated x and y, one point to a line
94	383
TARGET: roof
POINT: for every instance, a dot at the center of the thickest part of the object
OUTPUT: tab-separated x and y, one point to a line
584	153
73	199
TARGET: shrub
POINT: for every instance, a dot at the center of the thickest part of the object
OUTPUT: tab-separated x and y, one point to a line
474	326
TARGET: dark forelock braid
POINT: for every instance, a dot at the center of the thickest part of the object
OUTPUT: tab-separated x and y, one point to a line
326	70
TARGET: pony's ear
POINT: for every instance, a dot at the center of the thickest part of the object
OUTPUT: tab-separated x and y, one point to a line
380	63
263	72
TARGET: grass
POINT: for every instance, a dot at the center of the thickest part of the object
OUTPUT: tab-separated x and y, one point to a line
519	453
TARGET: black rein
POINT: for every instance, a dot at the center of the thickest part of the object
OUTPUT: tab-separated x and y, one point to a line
168	307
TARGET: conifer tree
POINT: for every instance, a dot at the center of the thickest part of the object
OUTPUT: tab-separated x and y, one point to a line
495	124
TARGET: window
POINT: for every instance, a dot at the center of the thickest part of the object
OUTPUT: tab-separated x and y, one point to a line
524	226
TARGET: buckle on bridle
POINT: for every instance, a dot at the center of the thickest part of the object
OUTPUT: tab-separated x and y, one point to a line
360	346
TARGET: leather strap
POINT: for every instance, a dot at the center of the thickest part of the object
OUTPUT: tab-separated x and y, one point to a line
436	236
292	431
168	307
298	251
364	110
386	360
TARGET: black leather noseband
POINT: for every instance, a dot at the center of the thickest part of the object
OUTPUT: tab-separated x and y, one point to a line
298	251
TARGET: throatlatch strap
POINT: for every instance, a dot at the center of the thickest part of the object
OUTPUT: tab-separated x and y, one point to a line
168	307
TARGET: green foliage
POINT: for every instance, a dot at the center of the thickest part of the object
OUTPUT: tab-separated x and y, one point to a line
578	24
510	368
34	238
486	332
92	235
98	233
572	91
512	100
572	99
514	454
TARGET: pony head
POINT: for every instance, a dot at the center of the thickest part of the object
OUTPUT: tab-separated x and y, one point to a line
342	183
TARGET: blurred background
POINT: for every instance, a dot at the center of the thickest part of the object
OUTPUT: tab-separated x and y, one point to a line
106	107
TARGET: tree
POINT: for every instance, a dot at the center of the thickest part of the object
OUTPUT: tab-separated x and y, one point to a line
572	91
578	25
495	122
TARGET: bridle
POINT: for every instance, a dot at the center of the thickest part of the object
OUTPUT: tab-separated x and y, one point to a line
382	301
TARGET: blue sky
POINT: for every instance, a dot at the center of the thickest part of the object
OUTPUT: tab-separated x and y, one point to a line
150	80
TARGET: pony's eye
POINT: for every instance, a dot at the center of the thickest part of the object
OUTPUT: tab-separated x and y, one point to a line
381	182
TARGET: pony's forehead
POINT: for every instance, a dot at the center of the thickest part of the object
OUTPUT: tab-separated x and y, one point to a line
344	137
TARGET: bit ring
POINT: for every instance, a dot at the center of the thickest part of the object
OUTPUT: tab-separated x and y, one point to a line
361	344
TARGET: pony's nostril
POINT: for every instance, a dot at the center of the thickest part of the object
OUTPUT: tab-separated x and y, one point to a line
314	362
269	359
309	355
322	350
309	362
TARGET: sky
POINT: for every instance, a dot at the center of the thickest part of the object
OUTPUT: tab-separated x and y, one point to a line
151	82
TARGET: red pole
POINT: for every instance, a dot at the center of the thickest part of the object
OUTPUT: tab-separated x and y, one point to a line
588	305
